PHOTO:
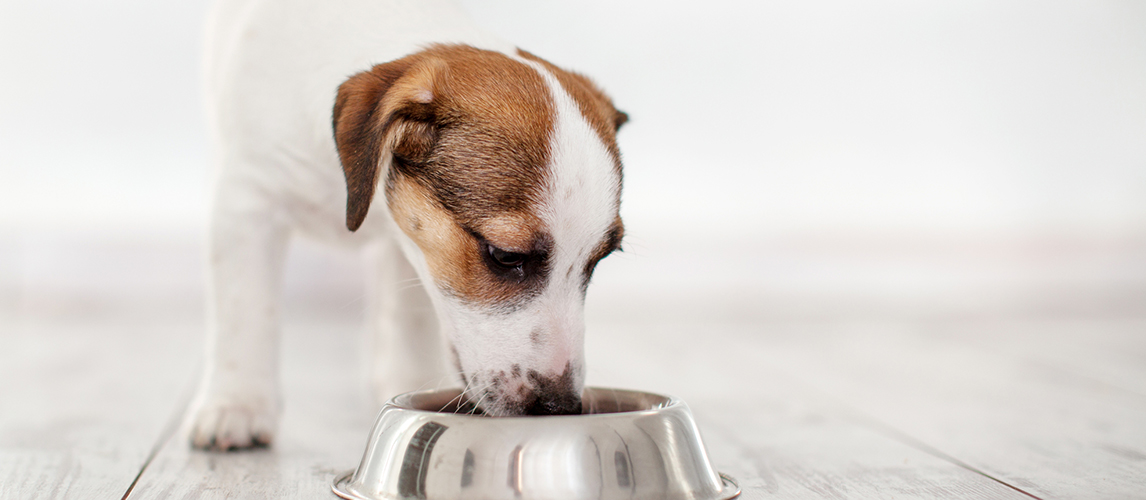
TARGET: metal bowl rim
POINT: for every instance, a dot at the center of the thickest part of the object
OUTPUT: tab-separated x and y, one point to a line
671	402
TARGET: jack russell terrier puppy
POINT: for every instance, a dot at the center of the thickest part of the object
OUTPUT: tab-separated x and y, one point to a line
491	178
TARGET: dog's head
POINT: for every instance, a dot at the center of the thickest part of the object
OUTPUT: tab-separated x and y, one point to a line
504	174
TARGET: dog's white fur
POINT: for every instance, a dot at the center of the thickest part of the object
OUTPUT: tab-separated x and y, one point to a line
273	68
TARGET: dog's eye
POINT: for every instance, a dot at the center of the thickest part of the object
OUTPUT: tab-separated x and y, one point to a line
506	259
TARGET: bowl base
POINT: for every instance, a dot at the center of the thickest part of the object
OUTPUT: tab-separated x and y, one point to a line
730	490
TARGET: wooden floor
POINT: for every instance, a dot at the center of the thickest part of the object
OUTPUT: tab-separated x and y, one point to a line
1045	400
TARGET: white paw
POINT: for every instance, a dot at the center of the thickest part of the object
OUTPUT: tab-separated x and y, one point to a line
223	424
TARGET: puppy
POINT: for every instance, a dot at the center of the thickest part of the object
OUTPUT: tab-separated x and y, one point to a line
485	176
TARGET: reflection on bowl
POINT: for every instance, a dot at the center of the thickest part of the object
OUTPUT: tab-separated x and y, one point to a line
626	444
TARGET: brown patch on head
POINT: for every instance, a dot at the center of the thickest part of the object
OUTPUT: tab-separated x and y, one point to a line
511	232
495	122
474	125
596	107
461	138
463	135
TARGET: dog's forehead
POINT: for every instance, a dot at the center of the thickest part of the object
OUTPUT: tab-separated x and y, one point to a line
518	131
581	195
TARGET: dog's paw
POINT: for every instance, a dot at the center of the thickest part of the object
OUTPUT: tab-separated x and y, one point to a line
229	425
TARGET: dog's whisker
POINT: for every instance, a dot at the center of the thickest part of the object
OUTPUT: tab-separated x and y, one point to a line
352	302
459	398
408	287
448	377
407	281
407	284
477	405
469	388
437	384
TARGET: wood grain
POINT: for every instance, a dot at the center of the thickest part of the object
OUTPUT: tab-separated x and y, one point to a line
1109	350
1032	423
326	420
81	406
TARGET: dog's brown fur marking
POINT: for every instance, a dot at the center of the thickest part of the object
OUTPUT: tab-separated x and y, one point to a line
466	135
475	125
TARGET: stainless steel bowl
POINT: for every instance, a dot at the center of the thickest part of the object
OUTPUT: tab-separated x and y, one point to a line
627	444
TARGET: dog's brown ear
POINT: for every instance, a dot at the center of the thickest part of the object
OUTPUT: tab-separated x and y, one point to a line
620	118
381	114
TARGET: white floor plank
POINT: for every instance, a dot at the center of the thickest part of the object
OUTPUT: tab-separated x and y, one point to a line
1108	350
1032	424
83	402
323	432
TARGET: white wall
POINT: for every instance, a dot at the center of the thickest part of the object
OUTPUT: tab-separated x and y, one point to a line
753	116
912	132
100	123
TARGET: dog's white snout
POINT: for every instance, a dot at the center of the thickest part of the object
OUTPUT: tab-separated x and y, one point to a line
560	344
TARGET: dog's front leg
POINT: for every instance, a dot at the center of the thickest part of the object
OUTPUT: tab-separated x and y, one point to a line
238	404
407	346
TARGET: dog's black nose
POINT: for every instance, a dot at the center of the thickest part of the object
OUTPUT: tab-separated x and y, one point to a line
549	403
553	395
